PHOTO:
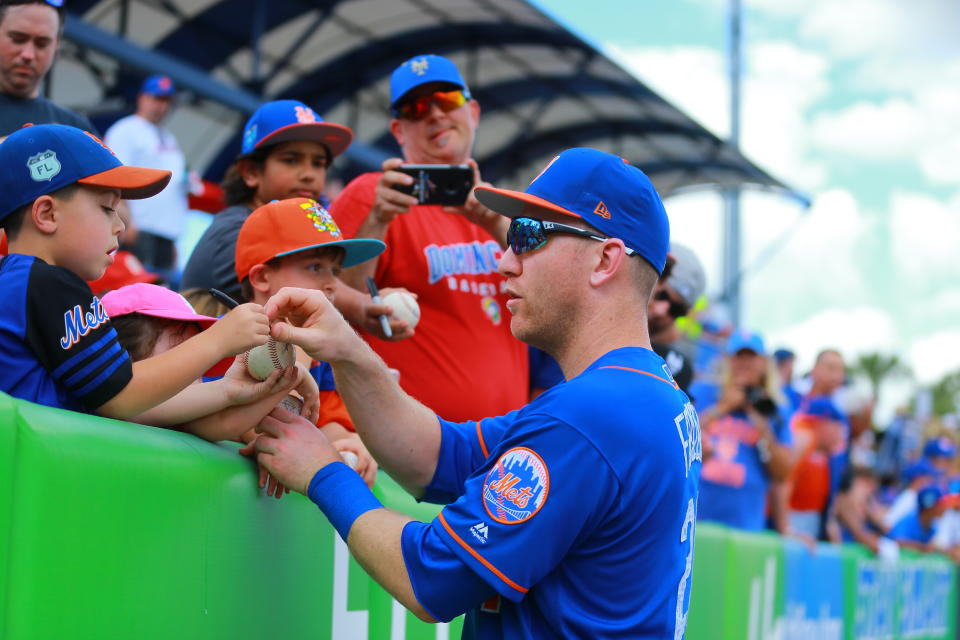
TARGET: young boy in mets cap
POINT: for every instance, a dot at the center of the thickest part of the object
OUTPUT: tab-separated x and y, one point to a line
59	192
296	243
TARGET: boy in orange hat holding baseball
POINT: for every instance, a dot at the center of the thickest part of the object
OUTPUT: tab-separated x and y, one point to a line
297	243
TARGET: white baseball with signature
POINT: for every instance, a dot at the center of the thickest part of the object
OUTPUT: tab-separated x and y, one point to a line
261	361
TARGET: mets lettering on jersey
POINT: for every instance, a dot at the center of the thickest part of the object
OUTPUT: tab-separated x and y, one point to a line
516	487
78	324
462	258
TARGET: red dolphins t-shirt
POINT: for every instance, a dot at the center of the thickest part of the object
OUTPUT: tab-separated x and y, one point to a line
463	362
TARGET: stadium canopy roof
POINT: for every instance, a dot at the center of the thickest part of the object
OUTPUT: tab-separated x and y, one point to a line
541	88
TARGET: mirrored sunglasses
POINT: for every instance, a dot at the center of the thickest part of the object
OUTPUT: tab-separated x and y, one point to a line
528	234
419	108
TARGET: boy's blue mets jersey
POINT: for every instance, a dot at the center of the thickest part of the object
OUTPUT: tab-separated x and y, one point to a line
570	518
57	347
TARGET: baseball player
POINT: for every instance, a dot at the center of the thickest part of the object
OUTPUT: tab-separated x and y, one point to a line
572	517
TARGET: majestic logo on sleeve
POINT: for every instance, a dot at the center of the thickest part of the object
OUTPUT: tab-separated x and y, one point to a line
78	323
516	487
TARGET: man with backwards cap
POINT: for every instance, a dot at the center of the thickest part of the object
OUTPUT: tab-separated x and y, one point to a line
550	507
462	362
140	139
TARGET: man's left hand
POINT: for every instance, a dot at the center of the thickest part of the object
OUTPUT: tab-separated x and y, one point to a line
491	221
292	449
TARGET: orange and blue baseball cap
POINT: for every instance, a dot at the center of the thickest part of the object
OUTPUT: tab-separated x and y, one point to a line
420	70
291	120
600	188
159	87
283	227
40	159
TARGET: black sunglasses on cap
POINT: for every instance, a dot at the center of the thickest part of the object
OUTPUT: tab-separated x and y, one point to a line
527	234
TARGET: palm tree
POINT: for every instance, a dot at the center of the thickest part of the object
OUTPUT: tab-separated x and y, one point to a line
878	367
946	394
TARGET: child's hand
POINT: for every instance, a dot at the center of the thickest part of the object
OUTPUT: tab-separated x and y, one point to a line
242	329
366	465
309	392
241	388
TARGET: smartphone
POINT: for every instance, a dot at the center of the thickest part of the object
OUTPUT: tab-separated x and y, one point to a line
442	184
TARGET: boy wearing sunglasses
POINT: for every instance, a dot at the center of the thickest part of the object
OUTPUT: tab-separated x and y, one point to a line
30	32
549	507
462	361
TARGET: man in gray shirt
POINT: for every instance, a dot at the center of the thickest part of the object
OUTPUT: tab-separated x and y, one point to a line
30	32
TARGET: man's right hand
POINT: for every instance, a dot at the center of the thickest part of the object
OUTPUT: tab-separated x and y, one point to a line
306	318
389	202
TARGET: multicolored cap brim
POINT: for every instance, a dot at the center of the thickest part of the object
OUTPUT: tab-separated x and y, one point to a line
357	250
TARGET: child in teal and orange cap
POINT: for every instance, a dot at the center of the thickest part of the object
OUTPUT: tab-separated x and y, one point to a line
297	243
59	191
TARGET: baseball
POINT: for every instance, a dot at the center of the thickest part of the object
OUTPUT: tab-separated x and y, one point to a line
261	361
404	306
349	458
291	404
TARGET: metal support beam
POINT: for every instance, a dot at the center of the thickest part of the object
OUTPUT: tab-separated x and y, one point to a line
196	80
732	233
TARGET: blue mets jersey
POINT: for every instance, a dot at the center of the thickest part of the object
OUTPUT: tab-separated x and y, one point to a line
57	347
570	518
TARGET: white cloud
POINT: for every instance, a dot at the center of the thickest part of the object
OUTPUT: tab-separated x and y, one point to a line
781	83
925	240
853	331
919	130
691	77
935	355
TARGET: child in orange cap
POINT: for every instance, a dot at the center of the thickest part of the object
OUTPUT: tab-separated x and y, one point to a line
296	243
151	320
59	192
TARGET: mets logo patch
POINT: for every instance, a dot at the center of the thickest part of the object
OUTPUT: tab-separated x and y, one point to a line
516	487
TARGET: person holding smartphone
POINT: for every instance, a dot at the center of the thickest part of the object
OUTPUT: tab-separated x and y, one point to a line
462	361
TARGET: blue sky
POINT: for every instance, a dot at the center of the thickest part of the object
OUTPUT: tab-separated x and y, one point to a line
857	103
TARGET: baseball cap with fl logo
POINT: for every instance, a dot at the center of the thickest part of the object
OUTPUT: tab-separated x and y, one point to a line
40	159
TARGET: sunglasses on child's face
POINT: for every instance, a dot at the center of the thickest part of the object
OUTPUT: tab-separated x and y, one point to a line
677	309
527	234
419	108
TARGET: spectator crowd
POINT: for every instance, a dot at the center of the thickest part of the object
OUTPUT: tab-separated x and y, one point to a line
796	454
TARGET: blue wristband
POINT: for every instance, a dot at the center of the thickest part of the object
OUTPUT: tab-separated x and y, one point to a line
342	495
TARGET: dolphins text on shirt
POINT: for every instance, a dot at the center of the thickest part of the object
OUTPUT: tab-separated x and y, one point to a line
462	258
78	324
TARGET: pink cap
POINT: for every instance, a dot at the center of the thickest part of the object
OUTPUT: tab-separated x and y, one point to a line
152	300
